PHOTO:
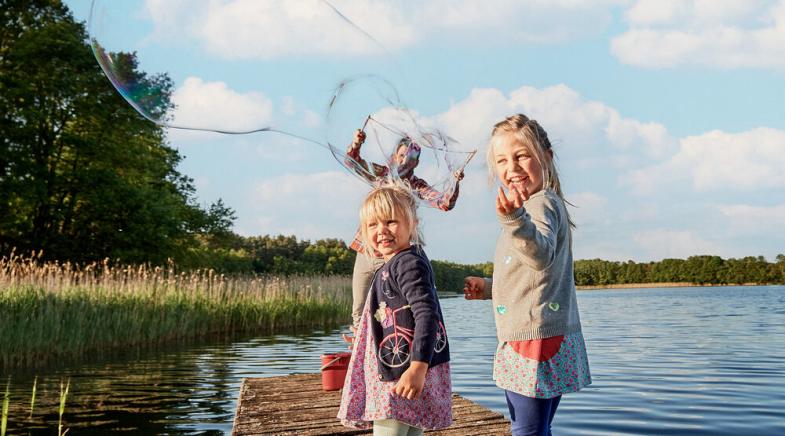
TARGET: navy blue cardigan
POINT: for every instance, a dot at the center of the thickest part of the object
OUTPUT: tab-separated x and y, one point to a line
407	279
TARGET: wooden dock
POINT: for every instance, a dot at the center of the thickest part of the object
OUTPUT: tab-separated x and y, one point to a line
297	405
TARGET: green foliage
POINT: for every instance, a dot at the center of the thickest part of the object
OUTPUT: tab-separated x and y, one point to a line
700	270
286	255
449	276
127	307
82	176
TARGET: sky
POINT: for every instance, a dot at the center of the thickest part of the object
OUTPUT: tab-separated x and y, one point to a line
666	116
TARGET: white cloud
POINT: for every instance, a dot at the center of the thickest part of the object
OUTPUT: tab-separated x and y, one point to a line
213	105
715	33
311	206
516	21
748	219
312	119
244	29
720	162
663	243
576	127
288	106
590	208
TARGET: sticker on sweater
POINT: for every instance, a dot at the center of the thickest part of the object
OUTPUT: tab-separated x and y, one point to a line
553	306
383	315
388	292
502	309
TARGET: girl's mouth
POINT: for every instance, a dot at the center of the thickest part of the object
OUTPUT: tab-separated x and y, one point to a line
518	183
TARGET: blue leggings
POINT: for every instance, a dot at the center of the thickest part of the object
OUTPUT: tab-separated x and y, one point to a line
531	416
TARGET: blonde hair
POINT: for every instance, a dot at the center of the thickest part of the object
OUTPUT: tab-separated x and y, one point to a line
529	132
390	200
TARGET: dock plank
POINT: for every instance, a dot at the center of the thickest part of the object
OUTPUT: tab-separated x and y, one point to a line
297	405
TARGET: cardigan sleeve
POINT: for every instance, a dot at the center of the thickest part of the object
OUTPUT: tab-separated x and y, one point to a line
533	230
412	274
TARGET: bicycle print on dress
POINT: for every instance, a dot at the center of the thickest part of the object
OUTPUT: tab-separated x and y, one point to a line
406	318
395	348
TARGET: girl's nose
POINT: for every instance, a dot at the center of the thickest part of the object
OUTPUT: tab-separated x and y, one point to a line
512	165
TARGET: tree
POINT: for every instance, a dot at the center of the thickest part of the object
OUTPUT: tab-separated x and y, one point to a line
82	175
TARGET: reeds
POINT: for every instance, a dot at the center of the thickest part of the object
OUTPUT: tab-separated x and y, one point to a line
4	415
51	309
61	408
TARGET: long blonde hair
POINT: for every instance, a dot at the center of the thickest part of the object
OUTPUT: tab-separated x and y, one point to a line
390	200
530	133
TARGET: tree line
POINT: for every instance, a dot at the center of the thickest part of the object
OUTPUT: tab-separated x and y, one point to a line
699	270
83	177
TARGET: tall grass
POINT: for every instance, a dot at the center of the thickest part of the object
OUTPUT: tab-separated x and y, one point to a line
4	414
51	309
61	408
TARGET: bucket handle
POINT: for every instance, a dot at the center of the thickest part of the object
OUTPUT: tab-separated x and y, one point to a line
330	363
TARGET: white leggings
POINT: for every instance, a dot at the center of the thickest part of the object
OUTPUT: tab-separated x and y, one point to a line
391	427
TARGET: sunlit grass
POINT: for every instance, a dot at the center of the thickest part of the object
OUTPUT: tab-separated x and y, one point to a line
32	398
61	408
4	416
59	309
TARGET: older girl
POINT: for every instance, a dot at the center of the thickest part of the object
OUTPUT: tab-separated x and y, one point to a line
541	353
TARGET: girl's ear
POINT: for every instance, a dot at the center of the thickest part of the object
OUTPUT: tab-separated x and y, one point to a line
549	152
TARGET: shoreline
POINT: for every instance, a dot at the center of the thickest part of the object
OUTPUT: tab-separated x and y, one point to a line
663	285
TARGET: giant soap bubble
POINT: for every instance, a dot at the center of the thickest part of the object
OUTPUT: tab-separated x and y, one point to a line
297	67
398	142
236	66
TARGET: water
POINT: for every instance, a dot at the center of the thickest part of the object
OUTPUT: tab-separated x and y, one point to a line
703	361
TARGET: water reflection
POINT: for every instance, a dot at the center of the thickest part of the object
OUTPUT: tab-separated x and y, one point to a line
664	361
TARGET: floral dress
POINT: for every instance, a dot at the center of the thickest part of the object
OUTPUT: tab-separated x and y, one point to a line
542	368
365	398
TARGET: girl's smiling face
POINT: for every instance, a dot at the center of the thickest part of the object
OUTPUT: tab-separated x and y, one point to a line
516	166
388	236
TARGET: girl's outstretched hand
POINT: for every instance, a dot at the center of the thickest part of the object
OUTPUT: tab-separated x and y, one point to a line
412	381
507	203
458	175
473	288
349	339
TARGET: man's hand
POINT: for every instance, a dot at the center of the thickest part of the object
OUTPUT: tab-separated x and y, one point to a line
359	138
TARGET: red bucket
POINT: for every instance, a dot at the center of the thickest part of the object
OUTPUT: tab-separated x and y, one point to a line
334	368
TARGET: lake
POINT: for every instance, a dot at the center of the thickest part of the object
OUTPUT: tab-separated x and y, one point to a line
699	361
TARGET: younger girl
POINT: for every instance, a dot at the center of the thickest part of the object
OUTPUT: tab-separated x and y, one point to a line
541	353
399	375
405	159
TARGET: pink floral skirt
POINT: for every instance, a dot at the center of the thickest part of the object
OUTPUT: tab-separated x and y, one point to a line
543	368
365	398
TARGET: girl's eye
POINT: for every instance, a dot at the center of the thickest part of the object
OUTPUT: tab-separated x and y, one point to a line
501	161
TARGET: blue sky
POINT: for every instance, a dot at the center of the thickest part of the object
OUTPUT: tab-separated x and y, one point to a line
666	116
